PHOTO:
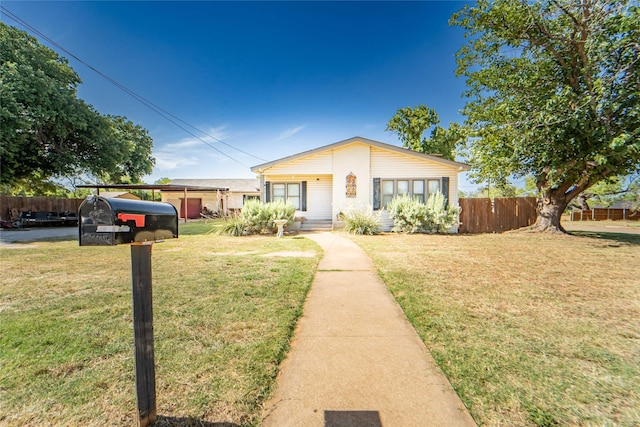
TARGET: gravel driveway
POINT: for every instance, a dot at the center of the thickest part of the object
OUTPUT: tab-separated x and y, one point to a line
34	234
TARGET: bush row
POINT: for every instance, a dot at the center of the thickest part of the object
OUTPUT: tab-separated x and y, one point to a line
257	218
412	216
409	215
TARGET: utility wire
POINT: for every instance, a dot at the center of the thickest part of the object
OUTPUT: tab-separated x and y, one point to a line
158	110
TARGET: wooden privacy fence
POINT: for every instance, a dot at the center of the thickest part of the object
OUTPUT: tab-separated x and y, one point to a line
497	215
37	204
602	214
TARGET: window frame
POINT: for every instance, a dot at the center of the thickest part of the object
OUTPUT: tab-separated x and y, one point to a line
423	196
297	197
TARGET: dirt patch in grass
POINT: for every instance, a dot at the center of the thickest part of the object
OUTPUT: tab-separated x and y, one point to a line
530	329
4	246
294	254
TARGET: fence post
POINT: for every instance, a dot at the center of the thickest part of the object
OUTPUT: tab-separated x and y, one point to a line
143	333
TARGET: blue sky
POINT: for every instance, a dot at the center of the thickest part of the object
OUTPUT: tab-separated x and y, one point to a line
269	78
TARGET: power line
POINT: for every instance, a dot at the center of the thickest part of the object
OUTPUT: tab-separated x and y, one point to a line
158	110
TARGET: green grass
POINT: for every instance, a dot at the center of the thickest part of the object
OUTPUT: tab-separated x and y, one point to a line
530	329
223	316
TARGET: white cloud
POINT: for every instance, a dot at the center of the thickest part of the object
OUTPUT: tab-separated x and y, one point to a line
185	143
289	132
170	160
217	132
213	135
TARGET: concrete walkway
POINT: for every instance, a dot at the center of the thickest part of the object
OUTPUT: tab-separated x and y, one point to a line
355	360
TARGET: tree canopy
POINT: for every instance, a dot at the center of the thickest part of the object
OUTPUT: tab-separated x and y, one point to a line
46	131
554	89
411	123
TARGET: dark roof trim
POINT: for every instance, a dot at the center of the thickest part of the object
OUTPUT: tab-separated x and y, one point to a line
161	187
457	165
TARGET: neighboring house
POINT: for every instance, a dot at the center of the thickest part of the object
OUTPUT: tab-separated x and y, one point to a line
323	182
119	195
623	204
217	195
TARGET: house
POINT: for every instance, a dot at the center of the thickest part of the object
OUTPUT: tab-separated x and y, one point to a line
325	181
119	195
217	195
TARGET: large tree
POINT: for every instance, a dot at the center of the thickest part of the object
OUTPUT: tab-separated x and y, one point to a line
411	125
46	131
554	89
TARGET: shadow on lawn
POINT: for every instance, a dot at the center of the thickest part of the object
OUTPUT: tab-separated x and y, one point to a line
163	421
628	238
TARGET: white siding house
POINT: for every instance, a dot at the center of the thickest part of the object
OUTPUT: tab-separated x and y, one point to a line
357	171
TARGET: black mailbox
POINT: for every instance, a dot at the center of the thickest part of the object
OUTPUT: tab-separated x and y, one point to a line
108	222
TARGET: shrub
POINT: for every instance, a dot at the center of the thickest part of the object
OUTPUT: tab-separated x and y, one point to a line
412	216
257	217
361	221
440	218
234	226
409	214
280	210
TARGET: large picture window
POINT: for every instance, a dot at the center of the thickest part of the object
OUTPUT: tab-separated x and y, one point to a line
286	192
417	188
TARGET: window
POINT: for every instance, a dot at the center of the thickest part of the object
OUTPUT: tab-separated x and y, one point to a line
293	195
417	188
279	193
403	187
434	185
286	192
387	192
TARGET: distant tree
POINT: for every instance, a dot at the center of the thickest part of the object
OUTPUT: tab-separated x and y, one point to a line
130	152
493	191
411	123
555	94
47	132
529	190
163	180
36	187
609	191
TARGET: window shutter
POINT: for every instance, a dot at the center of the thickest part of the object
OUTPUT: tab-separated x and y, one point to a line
376	194
267	192
445	190
303	196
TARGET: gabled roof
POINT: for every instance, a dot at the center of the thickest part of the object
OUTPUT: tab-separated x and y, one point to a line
358	139
119	194
250	185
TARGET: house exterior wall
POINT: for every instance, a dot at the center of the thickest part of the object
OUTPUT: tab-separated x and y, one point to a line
351	159
319	200
317	164
386	164
326	170
319	193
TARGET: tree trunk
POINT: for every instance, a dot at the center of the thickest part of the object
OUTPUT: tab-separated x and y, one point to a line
550	209
581	200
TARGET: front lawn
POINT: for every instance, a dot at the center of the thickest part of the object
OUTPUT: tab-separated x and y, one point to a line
224	311
530	329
